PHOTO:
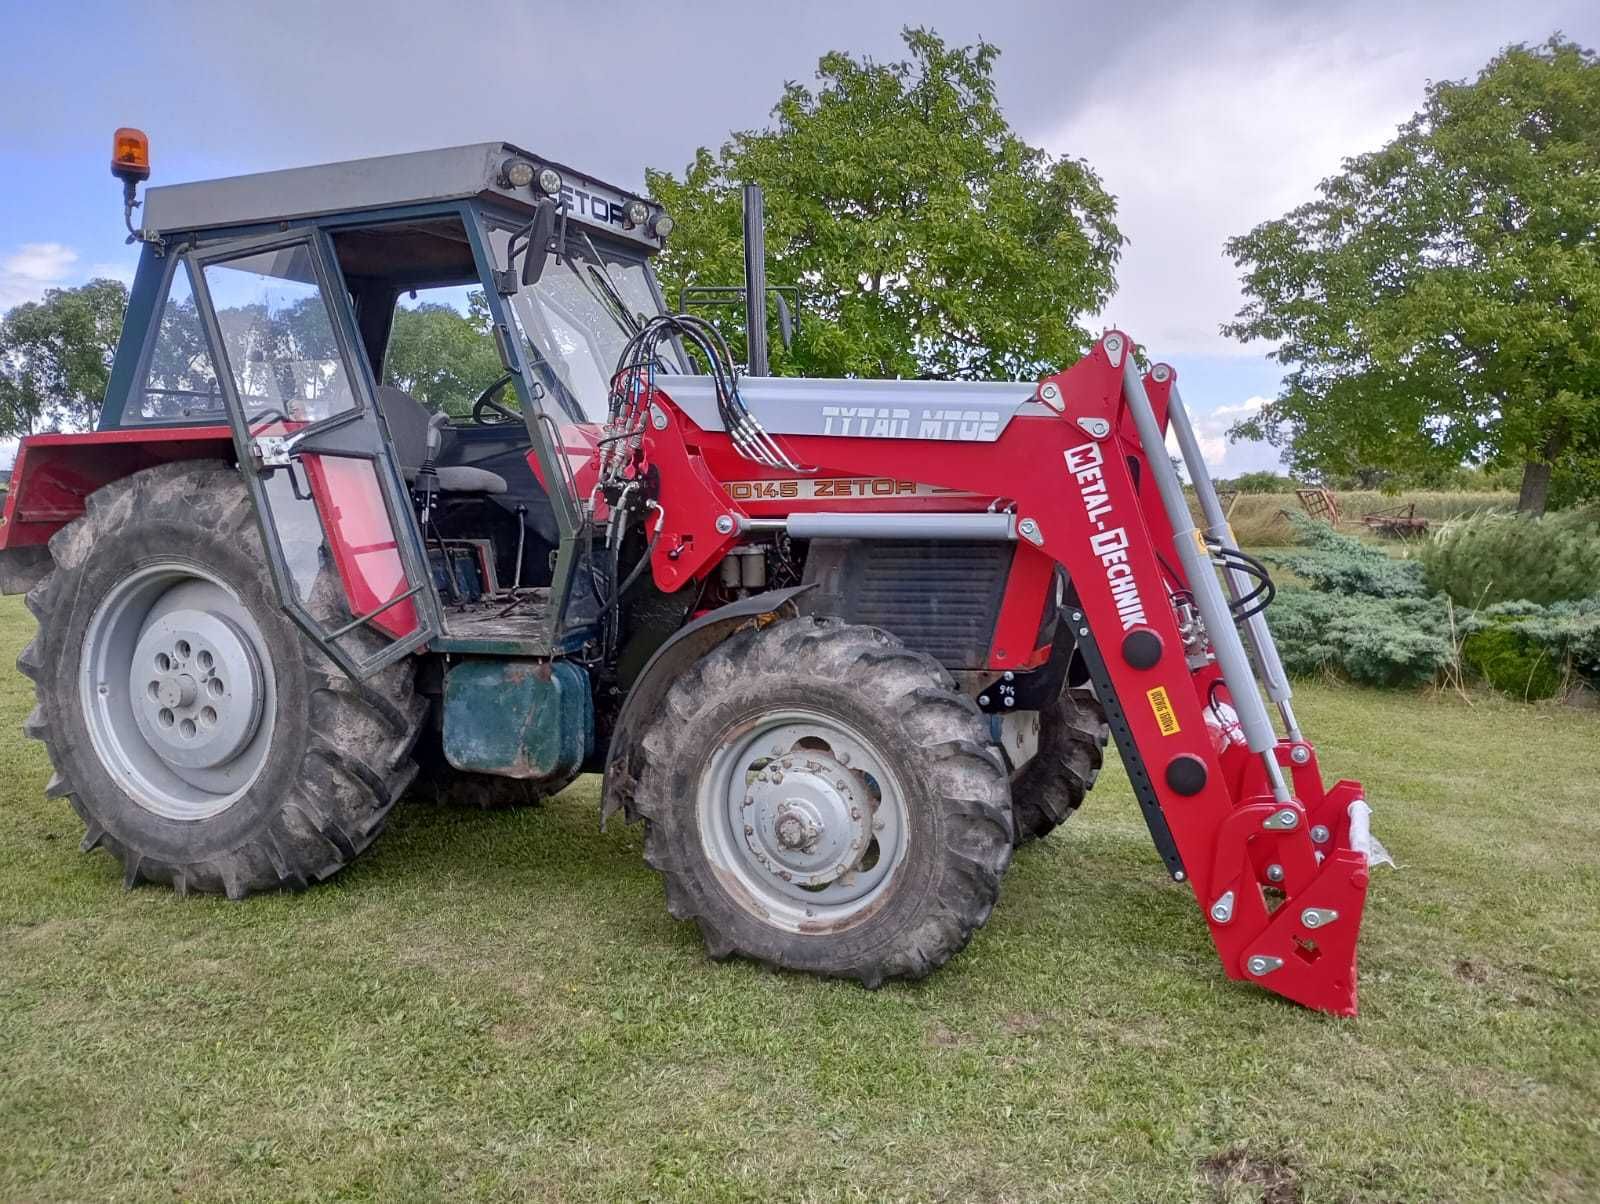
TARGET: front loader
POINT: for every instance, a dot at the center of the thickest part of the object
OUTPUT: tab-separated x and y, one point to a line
840	645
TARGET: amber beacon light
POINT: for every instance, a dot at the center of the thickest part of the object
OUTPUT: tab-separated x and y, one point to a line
130	155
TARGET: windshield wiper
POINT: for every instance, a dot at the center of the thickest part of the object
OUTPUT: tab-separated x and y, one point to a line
613	296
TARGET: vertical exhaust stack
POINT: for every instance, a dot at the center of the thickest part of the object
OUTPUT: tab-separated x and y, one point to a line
755	281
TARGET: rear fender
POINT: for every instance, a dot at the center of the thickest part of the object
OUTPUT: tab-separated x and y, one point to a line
55	474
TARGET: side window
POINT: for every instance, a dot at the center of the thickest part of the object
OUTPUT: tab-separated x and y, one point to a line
180	382
278	336
441	350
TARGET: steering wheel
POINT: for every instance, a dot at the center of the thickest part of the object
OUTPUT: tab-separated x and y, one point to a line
486	405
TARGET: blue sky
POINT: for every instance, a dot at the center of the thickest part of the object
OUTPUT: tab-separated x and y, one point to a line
1203	118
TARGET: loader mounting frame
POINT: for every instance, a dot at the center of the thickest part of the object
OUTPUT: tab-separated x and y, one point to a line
1238	810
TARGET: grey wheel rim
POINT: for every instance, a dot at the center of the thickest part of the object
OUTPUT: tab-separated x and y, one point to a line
803	818
178	691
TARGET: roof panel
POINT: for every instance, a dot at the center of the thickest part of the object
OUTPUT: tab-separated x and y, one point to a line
418	177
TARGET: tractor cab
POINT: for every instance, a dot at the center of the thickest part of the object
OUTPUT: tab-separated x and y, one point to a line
271	303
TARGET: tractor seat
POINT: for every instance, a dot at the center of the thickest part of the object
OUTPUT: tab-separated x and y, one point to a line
407	419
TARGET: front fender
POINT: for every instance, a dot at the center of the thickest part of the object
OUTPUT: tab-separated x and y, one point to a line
687	645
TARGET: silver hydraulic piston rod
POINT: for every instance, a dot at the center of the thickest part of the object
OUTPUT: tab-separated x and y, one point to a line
1257	632
1237	673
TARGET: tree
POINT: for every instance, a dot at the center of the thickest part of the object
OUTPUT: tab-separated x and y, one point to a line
441	356
55	357
1438	304
926	238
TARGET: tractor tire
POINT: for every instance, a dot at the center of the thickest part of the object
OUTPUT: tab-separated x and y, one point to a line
818	797
205	741
1072	744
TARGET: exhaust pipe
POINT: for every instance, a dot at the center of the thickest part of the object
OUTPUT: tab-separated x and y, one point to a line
755	281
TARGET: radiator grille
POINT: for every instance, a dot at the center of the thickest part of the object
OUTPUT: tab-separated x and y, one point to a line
939	597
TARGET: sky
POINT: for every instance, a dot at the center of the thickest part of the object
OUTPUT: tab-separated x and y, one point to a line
1202	118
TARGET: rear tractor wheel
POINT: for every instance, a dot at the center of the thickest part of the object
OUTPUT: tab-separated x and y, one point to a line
1072	743
818	797
204	741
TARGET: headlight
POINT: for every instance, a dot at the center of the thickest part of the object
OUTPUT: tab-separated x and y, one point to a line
549	181
637	213
662	226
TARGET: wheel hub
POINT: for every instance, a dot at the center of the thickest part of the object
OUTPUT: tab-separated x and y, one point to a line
807	822
195	685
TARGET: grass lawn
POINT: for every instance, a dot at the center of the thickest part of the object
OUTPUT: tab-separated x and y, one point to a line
498	1006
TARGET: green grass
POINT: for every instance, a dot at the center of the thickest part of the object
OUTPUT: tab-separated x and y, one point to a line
498	1007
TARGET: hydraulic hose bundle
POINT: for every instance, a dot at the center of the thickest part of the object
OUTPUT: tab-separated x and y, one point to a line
635	378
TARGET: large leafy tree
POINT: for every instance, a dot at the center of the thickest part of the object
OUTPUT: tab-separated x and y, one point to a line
55	357
442	356
1439	302
926	238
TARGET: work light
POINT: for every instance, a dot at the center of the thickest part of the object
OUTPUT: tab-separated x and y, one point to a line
549	181
517	172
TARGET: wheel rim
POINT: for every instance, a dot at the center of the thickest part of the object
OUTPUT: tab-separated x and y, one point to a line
178	691
803	813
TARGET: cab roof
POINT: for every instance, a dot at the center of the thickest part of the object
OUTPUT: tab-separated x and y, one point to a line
360	186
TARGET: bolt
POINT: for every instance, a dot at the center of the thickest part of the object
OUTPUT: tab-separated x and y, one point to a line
1083	631
1178	876
749	831
1274	873
1284	819
724	524
1008	675
1010	701
983	700
842	757
1320	834
1259	964
1299	754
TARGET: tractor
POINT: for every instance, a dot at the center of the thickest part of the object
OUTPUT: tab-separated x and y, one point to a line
840	645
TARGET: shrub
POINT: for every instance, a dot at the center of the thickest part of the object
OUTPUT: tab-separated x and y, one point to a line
1496	557
1567	632
1512	662
1386	641
1344	565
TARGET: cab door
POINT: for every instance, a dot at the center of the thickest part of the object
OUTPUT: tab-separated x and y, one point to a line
335	514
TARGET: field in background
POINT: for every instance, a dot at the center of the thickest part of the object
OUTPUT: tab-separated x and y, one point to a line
1258	520
497	1006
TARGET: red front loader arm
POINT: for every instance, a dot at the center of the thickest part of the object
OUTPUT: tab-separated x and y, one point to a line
1277	861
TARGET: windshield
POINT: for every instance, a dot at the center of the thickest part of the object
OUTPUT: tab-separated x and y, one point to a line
580	314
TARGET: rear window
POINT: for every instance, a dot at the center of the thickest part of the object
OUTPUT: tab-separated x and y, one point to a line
180	381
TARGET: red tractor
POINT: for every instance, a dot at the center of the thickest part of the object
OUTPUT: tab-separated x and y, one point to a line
841	645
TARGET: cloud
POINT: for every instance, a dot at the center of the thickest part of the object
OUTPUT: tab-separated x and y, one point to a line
32	268
1226	457
1225	118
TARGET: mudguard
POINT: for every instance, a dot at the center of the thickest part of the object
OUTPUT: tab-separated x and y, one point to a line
687	645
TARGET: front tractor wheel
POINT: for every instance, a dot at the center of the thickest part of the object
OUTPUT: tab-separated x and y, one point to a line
202	738
820	798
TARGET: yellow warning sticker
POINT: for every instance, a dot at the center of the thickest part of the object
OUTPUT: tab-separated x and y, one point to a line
1166	717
